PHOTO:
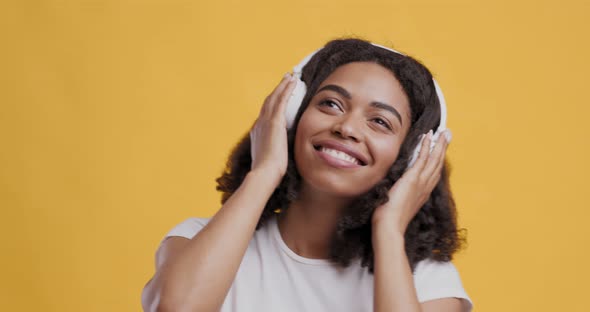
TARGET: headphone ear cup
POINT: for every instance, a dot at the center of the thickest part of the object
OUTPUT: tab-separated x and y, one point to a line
415	153
435	138
294	102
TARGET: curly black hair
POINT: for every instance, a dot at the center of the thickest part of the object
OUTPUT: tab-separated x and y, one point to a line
433	232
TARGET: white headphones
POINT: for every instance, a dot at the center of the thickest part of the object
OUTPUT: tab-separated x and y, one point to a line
300	90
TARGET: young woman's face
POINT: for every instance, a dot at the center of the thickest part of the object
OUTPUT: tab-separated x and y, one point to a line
351	132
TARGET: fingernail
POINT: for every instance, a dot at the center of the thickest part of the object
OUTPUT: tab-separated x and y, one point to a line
286	75
430	134
293	77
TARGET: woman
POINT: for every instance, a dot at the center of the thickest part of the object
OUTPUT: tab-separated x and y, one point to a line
329	214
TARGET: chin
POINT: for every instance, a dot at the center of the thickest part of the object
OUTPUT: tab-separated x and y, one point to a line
334	184
319	177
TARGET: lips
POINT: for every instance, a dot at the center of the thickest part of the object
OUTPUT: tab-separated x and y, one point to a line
349	151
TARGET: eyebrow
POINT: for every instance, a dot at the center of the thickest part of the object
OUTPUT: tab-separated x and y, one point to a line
376	104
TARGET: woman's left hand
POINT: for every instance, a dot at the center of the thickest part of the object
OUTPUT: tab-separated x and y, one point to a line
412	190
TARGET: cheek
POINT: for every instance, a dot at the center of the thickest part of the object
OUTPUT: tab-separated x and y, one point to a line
301	131
302	137
307	126
309	118
387	153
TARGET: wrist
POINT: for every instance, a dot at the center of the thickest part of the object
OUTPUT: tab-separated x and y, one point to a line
388	220
264	178
387	237
388	227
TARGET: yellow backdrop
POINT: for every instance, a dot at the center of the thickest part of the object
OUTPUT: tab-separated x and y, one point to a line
117	116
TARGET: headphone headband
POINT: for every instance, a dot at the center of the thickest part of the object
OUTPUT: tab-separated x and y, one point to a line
300	90
297	70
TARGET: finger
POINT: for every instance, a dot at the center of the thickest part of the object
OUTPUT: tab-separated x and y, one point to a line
433	182
440	163
281	106
441	160
266	109
424	153
444	152
270	103
437	154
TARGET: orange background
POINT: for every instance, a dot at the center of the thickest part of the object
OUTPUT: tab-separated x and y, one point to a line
117	116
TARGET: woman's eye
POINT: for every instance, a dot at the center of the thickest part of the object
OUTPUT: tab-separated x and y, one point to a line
382	123
330	104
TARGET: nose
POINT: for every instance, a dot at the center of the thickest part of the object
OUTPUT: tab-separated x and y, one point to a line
348	127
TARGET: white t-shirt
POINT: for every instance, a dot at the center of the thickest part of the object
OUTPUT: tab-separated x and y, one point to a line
272	277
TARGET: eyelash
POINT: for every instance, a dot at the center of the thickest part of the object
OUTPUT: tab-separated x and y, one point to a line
383	122
324	102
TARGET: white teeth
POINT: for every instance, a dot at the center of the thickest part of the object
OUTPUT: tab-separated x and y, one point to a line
339	155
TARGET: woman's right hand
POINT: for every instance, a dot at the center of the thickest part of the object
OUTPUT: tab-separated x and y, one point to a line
269	134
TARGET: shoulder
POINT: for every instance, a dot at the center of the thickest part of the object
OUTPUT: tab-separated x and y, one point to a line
169	248
188	228
439	279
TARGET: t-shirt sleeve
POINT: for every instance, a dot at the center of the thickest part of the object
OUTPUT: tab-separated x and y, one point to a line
436	279
187	228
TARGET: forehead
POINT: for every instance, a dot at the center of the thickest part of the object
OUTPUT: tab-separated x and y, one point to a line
368	81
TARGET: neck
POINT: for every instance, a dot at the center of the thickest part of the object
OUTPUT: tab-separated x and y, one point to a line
309	223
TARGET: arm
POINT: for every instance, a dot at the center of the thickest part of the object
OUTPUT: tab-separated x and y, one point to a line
394	288
196	274
394	283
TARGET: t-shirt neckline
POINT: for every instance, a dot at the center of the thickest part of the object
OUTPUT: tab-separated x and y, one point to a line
274	227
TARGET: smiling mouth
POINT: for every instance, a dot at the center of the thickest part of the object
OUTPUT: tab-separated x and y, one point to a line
339	155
